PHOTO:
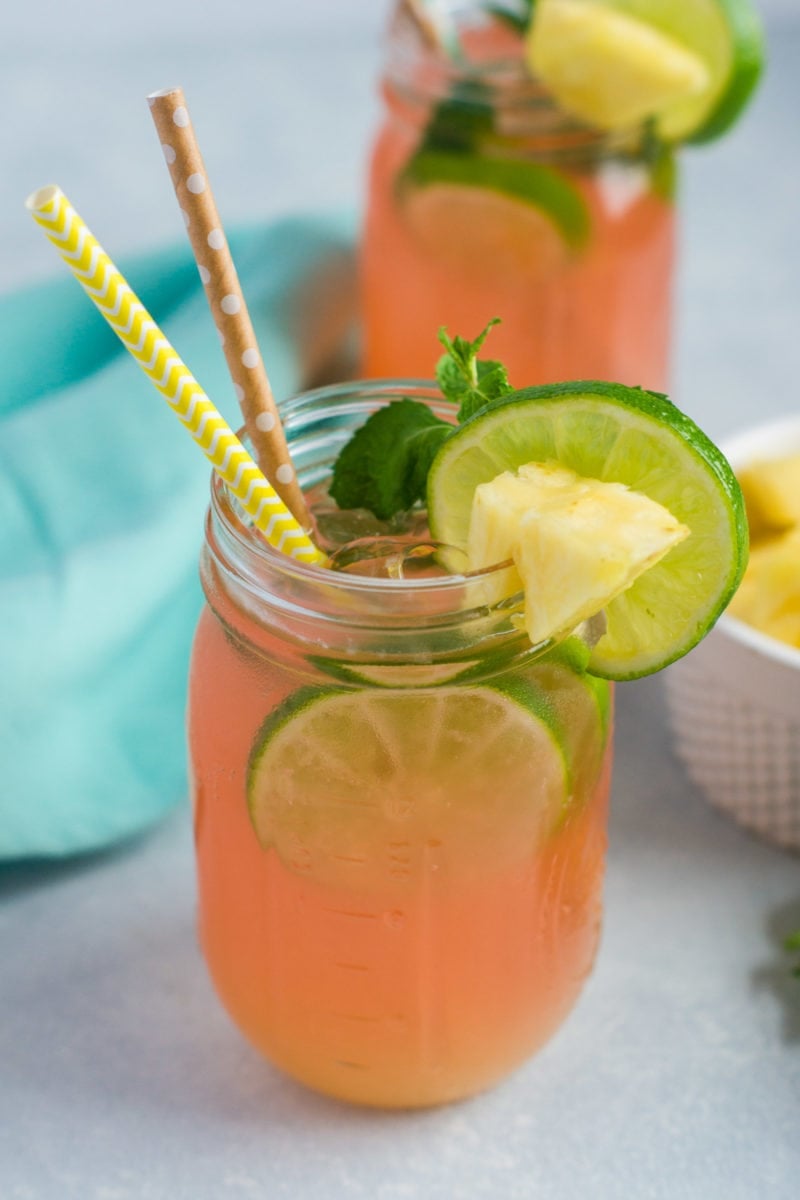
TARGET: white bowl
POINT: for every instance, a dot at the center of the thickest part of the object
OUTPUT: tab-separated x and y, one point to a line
734	702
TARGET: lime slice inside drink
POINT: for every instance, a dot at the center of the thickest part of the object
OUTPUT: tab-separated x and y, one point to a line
355	787
474	213
609	432
691	65
582	705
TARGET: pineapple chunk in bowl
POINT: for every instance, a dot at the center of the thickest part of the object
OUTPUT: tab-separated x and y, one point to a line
734	703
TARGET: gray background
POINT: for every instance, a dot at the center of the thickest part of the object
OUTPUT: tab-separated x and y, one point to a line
678	1076
283	97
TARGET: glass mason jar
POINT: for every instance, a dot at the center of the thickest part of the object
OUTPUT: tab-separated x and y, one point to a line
399	805
486	200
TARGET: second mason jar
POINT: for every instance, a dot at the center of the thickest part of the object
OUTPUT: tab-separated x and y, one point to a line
400	806
486	200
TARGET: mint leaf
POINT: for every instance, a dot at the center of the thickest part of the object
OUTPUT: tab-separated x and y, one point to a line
661	163
384	467
463	379
791	945
461	121
423	447
490	383
518	16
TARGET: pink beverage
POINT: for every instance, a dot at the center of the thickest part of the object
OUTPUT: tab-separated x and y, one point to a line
400	807
486	200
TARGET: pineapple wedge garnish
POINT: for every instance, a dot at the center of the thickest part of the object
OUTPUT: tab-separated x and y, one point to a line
576	543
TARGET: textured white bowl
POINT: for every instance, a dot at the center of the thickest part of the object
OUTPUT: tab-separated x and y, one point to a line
734	701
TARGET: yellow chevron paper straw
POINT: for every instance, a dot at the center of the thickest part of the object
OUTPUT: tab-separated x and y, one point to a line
139	333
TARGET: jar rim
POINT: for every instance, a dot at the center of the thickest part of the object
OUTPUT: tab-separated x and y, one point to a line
419	72
294	410
429	618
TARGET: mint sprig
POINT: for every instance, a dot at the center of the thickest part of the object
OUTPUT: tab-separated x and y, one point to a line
384	467
464	379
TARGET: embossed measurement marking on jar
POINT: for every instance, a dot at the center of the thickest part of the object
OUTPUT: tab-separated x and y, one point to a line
410	1024
344	912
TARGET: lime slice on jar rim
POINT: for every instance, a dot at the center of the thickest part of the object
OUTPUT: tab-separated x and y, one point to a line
689	65
355	788
609	432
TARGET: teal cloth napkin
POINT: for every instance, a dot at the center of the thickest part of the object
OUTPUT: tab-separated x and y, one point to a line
102	498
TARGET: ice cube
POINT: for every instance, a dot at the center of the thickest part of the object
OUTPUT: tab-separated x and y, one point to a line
398	558
337	528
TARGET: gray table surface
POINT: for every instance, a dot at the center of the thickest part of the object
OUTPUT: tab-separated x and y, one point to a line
678	1075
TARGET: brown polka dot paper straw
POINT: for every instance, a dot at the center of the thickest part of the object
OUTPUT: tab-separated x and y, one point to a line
224	295
416	11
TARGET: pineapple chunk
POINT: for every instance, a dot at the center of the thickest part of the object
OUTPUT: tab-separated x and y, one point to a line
772	494
769	596
576	543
